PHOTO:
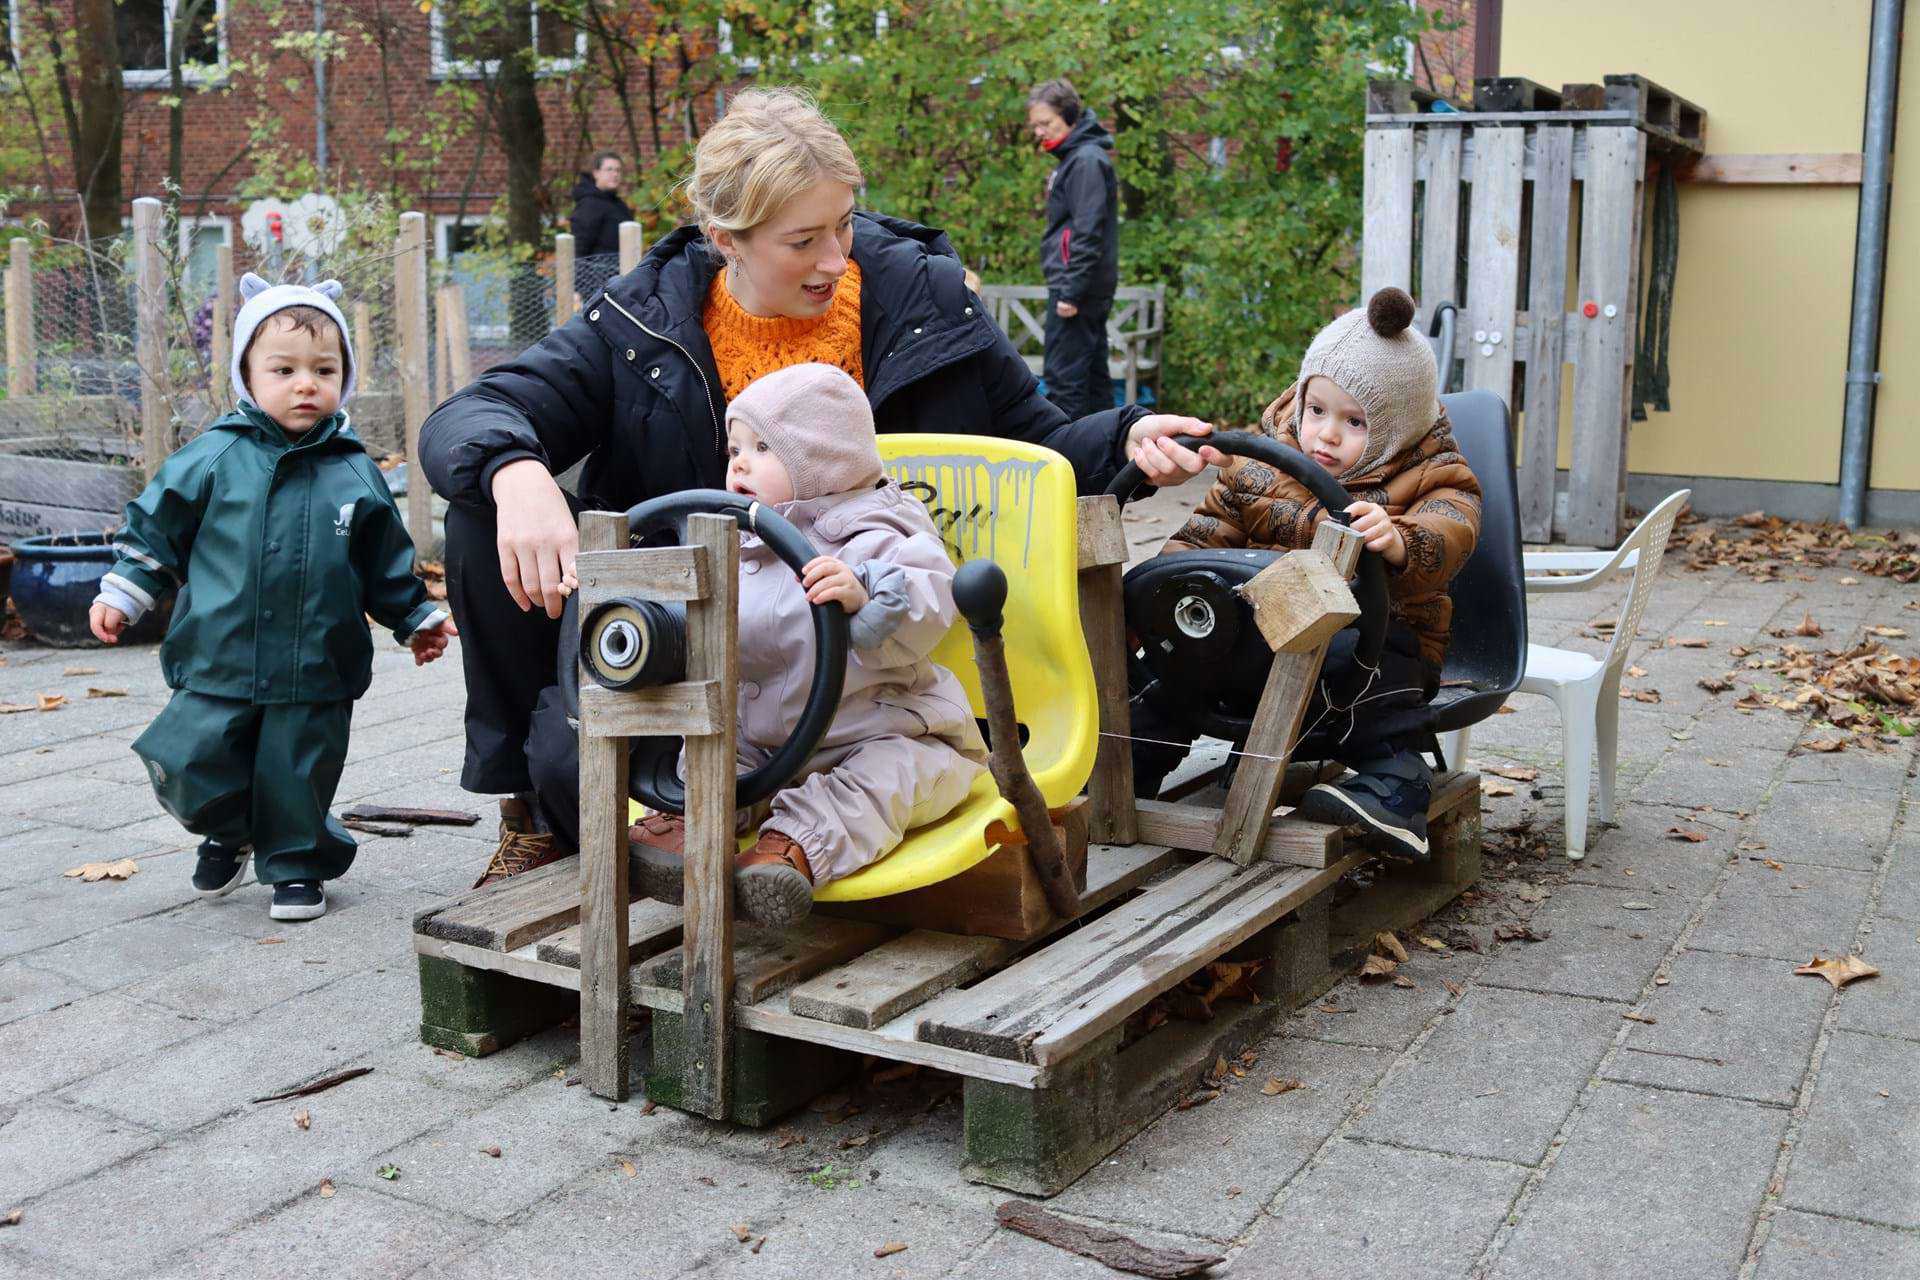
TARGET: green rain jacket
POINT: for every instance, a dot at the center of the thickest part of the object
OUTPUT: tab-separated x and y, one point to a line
281	548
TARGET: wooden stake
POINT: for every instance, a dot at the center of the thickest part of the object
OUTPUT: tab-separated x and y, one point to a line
453	322
604	986
631	246
562	279
221	347
1546	299
150	351
363	343
707	935
22	373
1276	725
1103	560
410	315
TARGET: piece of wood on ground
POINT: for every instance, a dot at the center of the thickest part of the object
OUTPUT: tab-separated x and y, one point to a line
1103	1244
407	813
393	829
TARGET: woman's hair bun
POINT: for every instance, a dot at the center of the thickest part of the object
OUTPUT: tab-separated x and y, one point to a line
1389	311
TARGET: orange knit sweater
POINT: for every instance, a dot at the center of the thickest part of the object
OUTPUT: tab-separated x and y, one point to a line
747	346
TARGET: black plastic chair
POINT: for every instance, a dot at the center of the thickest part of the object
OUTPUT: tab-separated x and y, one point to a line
1487	655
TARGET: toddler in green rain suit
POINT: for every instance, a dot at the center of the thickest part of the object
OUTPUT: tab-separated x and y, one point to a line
282	537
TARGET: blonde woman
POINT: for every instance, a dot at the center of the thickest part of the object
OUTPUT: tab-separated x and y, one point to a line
777	269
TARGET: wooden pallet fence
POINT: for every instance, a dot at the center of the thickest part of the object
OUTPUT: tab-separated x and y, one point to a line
1511	165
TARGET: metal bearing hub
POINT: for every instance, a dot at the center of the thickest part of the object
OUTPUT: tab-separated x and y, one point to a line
620	644
1194	616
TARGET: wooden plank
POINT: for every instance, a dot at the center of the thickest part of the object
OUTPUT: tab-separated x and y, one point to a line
1440	221
1299	601
604	989
150	351
508	914
1386	247
22	360
896	976
1103	539
1551	239
651	573
707	983
1493	260
1276	724
1830	169
632	246
363	351
651	928
1513	93
410	324
1048	1005
519	964
691	708
1603	342
769	961
56	482
1290	841
1103	558
564	298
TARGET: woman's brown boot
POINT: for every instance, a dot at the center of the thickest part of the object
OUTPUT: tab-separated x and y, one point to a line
656	847
773	882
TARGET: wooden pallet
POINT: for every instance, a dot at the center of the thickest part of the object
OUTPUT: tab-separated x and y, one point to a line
1034	1028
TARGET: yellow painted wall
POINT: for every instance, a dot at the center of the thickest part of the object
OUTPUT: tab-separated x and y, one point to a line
1765	276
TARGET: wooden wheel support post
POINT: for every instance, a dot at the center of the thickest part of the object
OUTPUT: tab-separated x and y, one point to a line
700	709
1103	561
1283	703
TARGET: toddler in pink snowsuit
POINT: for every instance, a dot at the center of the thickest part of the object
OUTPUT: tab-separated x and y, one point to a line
904	748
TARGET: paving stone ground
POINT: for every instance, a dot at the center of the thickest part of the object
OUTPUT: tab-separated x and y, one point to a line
1646	1091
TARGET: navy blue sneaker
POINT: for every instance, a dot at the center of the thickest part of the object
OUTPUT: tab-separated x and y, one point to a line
1387	797
220	869
298	900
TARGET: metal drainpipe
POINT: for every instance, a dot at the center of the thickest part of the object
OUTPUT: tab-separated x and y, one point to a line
320	93
1870	261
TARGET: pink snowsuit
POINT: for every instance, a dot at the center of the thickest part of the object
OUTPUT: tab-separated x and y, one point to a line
904	748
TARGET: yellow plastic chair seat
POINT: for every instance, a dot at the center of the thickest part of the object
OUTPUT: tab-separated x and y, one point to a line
1015	504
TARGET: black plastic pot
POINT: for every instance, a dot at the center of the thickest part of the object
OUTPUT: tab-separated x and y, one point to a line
55	578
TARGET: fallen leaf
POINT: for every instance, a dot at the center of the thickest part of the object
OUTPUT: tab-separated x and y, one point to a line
276	940
1200	1099
492	1150
1712	622
1377	967
1402	980
1636	672
11	1218
1277	1085
1886	633
1849	582
1518	933
303	1120
1531	893
626	1167
1639	1017
1431	944
15	708
1234	1191
1488	787
105	693
847	1144
1515	772
1453	988
1386	944
391	1172
326	1188
1771	865
81	671
91	871
1715	684
898	1071
1686	833
787	1138
650	1107
890	1248
1839	972
1641	695
1686	642
1808	627
1825	744
1661	980
742	1232
52	701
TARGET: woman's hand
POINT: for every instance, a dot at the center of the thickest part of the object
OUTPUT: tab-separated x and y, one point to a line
1371	521
429	643
538	540
1065	310
1150	444
106	623
828	579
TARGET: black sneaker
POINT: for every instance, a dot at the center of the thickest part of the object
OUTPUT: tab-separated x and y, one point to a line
298	900
220	869
1387	797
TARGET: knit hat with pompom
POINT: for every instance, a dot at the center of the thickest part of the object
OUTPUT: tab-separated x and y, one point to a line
1374	356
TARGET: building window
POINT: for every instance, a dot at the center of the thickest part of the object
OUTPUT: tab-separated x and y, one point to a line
462	44
149	28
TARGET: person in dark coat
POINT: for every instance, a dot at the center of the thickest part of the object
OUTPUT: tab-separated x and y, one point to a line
1080	251
595	222
778	270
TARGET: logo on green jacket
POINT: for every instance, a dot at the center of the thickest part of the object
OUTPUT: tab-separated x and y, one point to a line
343	526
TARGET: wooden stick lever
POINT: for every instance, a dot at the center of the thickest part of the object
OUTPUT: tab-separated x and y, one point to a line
980	590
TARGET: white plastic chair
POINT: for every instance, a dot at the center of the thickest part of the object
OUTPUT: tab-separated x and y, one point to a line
1587	689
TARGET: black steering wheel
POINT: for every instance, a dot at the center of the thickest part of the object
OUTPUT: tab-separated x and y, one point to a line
651	776
1370	581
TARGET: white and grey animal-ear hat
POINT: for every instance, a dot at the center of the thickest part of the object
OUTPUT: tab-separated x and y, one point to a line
258	300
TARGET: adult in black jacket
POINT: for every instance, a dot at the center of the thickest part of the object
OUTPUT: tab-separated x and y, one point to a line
631	387
1080	250
595	222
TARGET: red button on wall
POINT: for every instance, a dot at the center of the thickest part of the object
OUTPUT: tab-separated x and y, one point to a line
1590	310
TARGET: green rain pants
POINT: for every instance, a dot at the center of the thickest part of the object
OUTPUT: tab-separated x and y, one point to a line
241	774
